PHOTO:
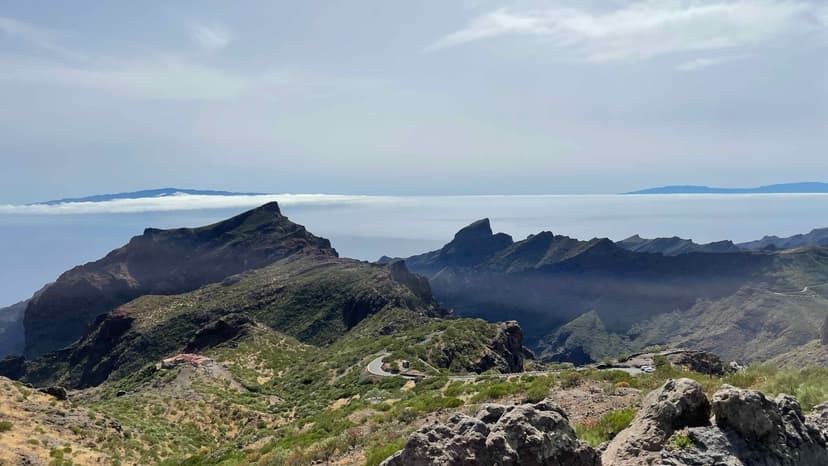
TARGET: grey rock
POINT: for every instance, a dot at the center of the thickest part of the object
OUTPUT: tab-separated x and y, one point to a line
754	430
747	412
57	392
525	435
677	404
819	418
490	412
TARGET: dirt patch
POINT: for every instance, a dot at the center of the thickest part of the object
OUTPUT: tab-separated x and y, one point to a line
593	400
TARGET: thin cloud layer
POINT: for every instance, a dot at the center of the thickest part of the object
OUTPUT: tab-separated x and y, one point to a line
647	29
212	37
186	202
38	37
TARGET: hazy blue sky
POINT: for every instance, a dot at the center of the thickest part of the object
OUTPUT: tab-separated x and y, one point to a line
410	97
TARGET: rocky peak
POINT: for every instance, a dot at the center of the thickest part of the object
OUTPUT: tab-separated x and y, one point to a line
162	262
476	230
473	244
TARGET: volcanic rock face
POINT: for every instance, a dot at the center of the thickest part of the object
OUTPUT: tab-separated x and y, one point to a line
677	404
749	429
162	262
526	435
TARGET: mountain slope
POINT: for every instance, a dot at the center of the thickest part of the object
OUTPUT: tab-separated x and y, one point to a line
307	293
11	329
162	262
315	298
698	300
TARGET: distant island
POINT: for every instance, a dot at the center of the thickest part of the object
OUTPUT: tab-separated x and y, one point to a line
785	188
161	192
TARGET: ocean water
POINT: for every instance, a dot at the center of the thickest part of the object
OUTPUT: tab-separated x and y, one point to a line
37	243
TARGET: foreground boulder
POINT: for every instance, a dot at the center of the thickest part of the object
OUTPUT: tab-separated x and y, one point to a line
526	435
677	404
749	429
752	429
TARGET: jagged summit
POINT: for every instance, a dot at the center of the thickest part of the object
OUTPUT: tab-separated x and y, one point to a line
472	245
163	262
477	229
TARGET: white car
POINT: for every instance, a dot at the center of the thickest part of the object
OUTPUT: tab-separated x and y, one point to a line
647	369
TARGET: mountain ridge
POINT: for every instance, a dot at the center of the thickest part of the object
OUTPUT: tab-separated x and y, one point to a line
781	188
549	280
145	193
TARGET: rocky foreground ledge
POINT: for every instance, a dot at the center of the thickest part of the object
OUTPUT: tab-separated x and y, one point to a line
678	425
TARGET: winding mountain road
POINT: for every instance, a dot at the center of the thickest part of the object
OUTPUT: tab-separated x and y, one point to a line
375	368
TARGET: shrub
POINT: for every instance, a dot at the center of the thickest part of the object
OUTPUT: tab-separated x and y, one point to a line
5	426
495	391
571	379
605	428
680	440
536	394
375	456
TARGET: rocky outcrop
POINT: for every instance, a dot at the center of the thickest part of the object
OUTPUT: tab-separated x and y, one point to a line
504	353
229	328
58	392
677	404
674	428
819	418
416	283
751	429
162	262
507	351
824	333
702	362
526	435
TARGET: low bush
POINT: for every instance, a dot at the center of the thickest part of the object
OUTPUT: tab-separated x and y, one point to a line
606	427
375	456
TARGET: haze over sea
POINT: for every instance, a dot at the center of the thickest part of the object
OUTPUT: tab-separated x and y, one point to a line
39	242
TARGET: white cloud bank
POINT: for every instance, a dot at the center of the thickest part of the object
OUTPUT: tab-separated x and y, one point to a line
187	202
645	29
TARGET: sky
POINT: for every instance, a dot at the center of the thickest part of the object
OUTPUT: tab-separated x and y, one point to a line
426	97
